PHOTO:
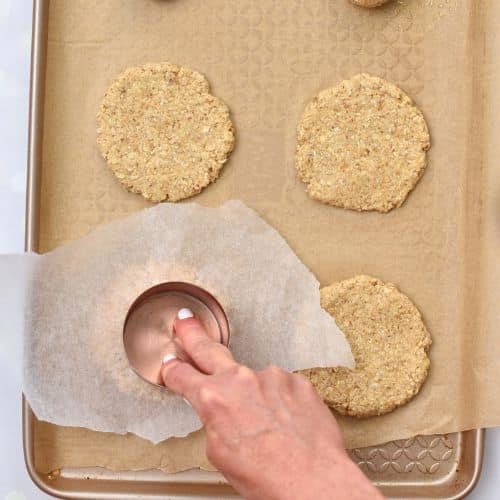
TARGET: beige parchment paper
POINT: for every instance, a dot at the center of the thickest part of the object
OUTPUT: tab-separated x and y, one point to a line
266	59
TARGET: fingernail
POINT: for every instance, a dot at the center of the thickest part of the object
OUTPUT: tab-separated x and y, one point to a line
167	358
187	402
185	313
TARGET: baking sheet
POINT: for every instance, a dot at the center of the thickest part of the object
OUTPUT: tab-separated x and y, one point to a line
273	65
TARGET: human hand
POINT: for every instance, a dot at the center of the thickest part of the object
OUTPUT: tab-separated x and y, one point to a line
268	432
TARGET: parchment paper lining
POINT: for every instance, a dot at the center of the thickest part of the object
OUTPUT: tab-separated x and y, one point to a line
267	59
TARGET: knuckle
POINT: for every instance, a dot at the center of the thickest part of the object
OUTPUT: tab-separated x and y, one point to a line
188	330
219	349
274	372
206	394
245	374
209	397
233	370
202	346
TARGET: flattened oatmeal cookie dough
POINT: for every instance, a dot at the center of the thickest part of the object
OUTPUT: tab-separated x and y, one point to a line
361	145
389	342
162	133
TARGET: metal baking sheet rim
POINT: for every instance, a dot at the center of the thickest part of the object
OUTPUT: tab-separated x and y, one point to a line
73	489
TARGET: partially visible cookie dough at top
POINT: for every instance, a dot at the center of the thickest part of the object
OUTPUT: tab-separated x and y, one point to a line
369	3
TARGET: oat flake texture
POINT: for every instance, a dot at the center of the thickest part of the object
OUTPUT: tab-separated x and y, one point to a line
389	342
361	145
162	133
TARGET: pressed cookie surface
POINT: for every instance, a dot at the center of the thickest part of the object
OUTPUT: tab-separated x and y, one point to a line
389	342
361	145
162	133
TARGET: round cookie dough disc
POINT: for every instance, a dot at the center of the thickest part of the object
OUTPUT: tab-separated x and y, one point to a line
361	145
162	133
369	3
389	342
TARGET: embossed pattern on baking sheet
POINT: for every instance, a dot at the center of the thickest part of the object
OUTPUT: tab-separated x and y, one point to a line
421	455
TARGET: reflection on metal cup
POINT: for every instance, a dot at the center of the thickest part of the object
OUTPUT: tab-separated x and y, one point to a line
148	333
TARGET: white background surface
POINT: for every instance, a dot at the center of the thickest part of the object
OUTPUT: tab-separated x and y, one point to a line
15	38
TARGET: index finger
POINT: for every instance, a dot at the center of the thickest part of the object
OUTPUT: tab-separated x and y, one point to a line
209	355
